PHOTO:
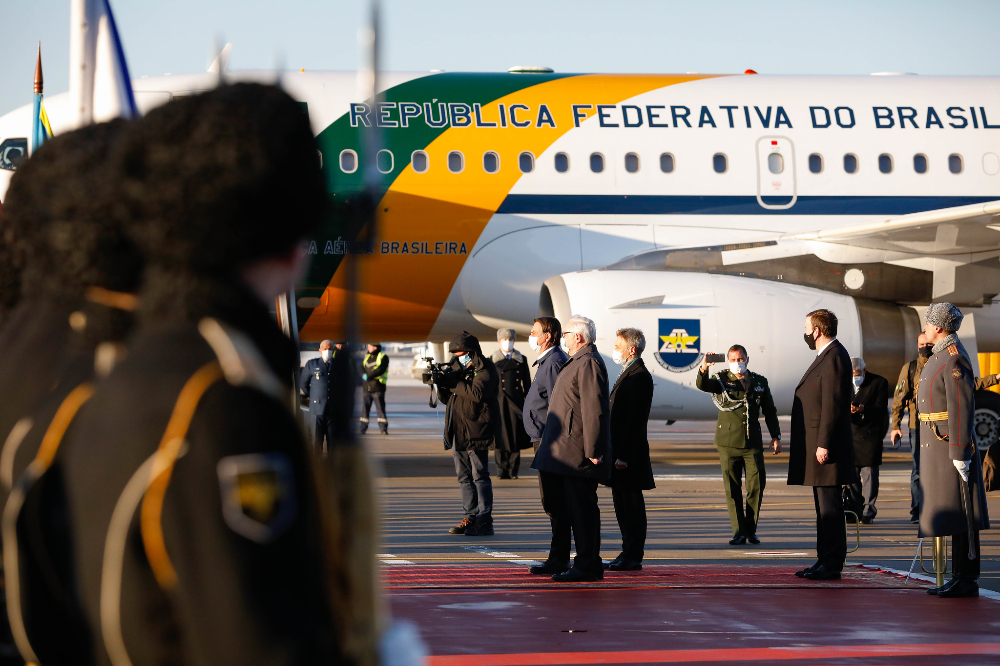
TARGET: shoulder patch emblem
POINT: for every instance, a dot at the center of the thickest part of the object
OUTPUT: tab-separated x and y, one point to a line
258	495
759	389
953	350
957	373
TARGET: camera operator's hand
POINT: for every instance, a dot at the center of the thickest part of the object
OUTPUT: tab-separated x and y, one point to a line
705	363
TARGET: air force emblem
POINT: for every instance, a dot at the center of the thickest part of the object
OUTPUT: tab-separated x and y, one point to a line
680	344
258	495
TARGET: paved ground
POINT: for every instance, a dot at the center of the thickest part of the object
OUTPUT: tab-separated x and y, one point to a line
696	600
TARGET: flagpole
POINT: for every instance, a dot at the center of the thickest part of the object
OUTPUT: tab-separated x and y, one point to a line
36	108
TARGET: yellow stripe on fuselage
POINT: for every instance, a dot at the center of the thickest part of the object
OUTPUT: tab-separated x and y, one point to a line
402	294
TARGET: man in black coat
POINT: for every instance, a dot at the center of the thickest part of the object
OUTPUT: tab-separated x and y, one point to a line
630	401
327	383
821	448
471	421
515	380
575	452
869	424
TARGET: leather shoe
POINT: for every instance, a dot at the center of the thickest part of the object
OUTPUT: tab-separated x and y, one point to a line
462	526
617	560
480	528
625	565
914	520
961	589
548	568
802	574
822	572
753	540
867	520
738	540
948	585
575	575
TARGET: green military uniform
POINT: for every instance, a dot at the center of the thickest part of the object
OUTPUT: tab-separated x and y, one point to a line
739	441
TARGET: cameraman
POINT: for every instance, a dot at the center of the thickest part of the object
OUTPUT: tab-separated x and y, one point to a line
469	384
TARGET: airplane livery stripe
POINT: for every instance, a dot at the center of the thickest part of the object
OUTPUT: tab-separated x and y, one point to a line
617	204
435	218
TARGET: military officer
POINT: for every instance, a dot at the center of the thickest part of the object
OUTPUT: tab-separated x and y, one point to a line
954	501
736	392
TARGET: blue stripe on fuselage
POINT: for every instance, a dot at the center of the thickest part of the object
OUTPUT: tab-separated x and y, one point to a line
631	204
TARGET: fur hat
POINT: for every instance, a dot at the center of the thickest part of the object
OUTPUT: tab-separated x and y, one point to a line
945	316
505	334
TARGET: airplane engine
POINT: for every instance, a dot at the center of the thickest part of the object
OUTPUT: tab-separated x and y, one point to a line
687	314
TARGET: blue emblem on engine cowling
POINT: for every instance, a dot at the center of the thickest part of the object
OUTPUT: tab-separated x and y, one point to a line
679	344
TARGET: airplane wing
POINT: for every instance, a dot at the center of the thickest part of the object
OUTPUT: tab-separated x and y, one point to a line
962	230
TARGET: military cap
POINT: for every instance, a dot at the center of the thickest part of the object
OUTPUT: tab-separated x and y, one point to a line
505	334
944	315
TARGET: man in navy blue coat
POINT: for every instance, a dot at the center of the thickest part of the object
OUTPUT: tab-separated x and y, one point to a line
326	382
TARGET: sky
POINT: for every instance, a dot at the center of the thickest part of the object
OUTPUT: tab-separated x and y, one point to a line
666	36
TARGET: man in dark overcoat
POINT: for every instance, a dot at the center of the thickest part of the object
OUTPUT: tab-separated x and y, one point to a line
869	424
575	452
821	447
515	380
630	401
742	397
951	474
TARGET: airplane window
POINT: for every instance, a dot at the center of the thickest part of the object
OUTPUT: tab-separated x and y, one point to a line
631	162
775	163
851	163
419	161
666	163
920	163
562	162
596	162
526	162
719	163
885	163
491	162
816	163
384	161
456	161
955	163
348	161
12	153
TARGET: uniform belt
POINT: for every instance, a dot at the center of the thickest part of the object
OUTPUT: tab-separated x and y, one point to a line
934	416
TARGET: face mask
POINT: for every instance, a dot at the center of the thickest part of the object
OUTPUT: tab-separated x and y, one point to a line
859	380
616	356
810	340
926	351
465	359
738	368
533	343
326	354
506	345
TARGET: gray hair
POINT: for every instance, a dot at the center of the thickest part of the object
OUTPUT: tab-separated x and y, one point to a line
505	334
633	337
858	364
328	343
582	326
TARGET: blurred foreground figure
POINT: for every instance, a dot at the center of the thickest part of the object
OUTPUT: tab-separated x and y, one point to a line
202	530
63	208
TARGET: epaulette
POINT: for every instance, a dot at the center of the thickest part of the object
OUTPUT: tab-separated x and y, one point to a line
953	350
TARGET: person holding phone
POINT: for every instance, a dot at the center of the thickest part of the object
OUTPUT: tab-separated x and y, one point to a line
741	397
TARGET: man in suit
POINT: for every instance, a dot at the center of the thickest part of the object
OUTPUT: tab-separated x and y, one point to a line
326	383
821	448
544	339
741	397
869	423
630	401
514	383
575	451
951	473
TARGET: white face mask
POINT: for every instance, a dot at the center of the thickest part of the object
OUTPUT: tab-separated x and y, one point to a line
533	343
738	368
858	380
617	357
506	345
326	354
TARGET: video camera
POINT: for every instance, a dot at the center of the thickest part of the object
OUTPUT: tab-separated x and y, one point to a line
435	371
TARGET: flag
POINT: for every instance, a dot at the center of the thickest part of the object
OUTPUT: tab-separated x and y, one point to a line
99	78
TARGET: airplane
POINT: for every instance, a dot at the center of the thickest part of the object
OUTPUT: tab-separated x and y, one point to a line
706	210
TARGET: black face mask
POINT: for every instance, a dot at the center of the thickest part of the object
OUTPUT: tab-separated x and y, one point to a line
810	340
926	351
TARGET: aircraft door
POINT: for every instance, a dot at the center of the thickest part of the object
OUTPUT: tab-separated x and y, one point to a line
775	172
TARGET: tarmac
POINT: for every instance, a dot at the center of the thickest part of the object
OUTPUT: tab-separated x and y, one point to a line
697	599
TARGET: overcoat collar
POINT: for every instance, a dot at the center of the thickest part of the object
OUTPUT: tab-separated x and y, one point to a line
631	369
862	393
829	348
